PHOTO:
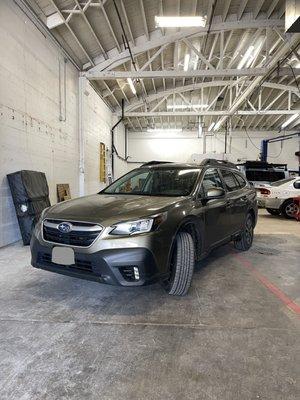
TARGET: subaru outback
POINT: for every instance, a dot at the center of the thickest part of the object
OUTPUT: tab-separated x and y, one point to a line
150	225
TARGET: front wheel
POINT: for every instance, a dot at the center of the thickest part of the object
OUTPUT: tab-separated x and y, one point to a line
273	211
290	209
182	265
244	242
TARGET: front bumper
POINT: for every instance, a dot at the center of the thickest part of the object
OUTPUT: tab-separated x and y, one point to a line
112	266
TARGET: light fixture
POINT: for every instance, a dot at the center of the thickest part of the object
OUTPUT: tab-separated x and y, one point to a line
196	63
179	22
217	125
245	57
185	106
186	62
211	126
164	130
130	82
289	120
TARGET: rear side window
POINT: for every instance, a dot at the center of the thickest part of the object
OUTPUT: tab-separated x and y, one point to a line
240	180
230	182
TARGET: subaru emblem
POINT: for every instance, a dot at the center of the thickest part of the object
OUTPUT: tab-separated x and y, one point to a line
64	227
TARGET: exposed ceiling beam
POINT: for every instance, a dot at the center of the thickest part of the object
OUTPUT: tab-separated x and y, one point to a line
73	33
198	86
158	39
109	25
198	53
278	55
206	113
127	22
144	20
160	74
90	28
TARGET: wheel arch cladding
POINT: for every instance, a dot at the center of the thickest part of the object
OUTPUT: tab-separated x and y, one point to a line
192	226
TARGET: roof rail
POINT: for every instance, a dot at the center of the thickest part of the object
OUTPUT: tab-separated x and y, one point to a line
149	163
213	161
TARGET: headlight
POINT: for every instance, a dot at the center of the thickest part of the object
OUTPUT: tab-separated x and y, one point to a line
139	226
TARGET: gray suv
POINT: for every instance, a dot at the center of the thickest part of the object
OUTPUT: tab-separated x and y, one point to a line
150	225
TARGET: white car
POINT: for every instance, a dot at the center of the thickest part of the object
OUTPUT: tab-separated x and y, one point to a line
278	197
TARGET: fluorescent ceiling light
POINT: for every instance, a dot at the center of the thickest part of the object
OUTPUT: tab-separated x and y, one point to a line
164	130
196	63
245	57
130	81
179	22
288	121
217	125
211	126
186	62
54	20
184	106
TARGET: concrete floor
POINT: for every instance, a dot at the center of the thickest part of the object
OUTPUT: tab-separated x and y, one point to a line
235	336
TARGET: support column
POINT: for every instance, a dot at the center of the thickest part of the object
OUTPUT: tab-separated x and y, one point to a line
81	88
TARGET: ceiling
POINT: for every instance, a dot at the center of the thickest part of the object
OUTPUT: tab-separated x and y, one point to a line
260	95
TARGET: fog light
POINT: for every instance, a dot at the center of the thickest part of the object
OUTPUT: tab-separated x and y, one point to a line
136	273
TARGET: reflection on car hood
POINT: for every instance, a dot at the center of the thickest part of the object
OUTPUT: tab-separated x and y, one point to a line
110	208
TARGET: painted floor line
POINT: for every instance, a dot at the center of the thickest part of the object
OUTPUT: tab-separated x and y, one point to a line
269	285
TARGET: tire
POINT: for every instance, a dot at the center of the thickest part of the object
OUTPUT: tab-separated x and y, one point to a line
289	209
182	265
245	240
273	211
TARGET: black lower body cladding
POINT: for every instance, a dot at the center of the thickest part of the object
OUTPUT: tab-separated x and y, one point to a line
114	267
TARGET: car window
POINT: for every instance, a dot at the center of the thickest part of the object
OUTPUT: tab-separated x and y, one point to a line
230	182
264	175
211	179
281	182
242	182
156	182
296	185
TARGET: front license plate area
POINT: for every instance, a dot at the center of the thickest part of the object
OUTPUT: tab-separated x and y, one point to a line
63	255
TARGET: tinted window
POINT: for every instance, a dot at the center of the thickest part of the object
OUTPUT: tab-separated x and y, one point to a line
211	179
156	182
281	182
263	175
230	182
296	184
240	180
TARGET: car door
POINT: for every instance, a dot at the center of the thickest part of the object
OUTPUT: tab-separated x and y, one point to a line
237	199
216	217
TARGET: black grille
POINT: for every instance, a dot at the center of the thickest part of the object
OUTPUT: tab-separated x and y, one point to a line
76	237
82	265
127	273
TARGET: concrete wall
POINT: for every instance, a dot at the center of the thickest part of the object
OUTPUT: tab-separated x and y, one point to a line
182	147
36	132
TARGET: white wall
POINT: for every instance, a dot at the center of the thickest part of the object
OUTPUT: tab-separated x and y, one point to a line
180	147
31	133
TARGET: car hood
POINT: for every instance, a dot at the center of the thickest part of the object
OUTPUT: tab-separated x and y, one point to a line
111	208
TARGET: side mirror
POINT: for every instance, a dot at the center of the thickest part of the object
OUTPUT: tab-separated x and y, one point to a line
297	185
214	193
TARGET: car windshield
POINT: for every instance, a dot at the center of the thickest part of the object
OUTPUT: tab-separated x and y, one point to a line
156	182
281	182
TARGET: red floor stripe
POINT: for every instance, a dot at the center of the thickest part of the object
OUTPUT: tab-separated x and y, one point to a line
270	286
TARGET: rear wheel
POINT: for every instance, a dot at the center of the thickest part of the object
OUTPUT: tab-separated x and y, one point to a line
182	265
244	242
273	211
290	209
